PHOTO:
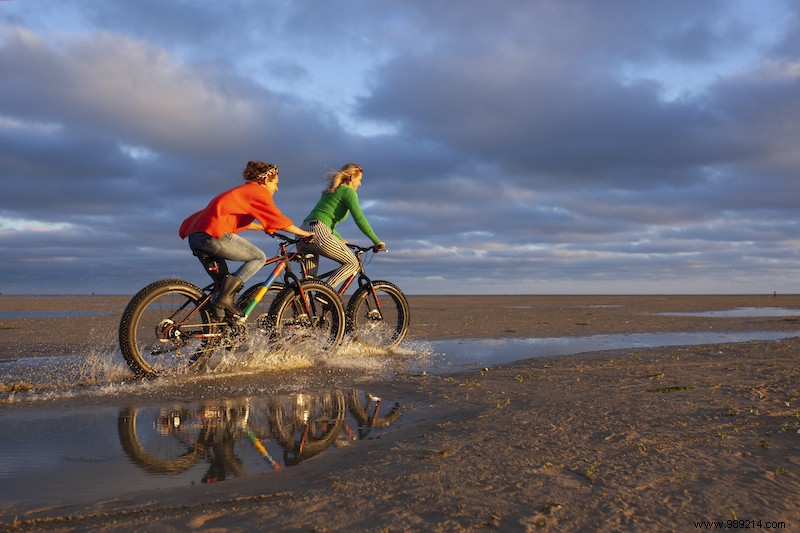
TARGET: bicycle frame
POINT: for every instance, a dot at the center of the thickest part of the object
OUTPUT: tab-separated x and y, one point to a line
363	279
361	275
283	265
173	320
282	259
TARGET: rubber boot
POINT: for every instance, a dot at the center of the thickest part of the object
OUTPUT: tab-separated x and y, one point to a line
224	298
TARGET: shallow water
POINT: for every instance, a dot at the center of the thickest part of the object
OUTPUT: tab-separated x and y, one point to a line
742	312
73	456
470	353
256	407
258	370
51	314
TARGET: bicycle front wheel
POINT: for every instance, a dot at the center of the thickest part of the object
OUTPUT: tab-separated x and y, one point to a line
378	315
306	424
166	329
307	317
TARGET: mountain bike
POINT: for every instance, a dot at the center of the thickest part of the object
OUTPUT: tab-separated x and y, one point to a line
377	314
173	326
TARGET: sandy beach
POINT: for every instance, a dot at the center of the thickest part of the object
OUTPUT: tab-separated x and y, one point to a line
657	439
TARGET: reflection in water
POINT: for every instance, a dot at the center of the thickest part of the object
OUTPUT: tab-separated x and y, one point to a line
176	445
284	429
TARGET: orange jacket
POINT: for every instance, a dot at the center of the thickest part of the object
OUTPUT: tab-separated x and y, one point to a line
234	210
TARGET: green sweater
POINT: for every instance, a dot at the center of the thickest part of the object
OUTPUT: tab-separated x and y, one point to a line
333	208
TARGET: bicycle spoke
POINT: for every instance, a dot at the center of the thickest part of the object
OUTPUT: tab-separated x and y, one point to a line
164	329
378	315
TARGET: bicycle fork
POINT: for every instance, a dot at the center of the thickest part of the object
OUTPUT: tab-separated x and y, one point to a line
375	312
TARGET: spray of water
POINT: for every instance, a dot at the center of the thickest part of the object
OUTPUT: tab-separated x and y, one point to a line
104	372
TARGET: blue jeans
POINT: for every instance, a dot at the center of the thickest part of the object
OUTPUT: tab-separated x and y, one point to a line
231	247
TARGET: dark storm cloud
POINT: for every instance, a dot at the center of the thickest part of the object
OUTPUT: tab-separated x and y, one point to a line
537	98
547	146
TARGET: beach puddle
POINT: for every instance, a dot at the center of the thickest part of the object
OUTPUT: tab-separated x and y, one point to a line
51	457
51	314
463	354
741	312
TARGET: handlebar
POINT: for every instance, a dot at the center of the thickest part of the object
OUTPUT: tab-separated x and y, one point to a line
290	240
374	248
297	240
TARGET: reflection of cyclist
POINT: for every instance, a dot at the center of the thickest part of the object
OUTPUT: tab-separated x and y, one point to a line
305	425
338	200
223	460
214	229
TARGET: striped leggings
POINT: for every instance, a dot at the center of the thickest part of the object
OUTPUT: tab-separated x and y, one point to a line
328	245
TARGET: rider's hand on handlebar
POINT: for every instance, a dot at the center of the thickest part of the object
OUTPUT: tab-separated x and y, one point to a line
380	246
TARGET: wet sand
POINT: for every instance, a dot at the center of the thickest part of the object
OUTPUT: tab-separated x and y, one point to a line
639	439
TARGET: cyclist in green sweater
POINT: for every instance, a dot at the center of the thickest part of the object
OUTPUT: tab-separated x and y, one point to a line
338	200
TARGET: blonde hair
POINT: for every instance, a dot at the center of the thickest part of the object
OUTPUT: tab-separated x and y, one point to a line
343	176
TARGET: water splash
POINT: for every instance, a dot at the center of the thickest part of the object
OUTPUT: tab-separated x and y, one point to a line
104	372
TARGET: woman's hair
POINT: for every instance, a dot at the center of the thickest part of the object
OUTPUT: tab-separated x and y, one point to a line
343	176
259	172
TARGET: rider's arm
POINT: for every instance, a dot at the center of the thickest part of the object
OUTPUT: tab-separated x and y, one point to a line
297	231
291	229
350	197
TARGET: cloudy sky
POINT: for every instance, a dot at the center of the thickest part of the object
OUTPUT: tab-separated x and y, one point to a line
523	146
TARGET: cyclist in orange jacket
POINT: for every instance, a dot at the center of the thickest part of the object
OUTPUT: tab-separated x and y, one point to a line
214	230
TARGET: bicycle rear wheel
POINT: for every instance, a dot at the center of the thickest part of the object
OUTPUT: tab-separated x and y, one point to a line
378	316
149	439
316	323
166	329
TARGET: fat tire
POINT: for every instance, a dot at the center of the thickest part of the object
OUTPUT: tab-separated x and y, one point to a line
326	420
135	448
288	305
138	320
399	314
